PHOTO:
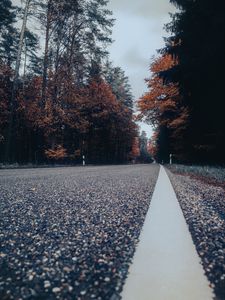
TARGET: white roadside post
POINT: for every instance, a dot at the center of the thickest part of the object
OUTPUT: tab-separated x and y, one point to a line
171	161
83	160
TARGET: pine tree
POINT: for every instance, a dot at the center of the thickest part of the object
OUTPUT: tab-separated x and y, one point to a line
119	82
198	43
8	33
7	15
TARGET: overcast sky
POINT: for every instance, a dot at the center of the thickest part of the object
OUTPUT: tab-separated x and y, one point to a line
138	32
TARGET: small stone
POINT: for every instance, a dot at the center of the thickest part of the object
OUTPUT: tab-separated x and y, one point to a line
31	277
45	259
83	293
33	293
56	290
107	279
47	284
66	269
70	288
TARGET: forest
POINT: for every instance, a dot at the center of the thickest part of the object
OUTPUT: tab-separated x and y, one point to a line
185	102
61	98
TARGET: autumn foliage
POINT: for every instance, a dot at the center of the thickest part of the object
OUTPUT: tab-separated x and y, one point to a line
57	153
135	152
163	107
62	99
86	121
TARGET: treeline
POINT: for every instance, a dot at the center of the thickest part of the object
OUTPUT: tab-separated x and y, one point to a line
141	149
185	102
60	96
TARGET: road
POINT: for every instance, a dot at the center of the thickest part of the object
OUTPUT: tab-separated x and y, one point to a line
70	233
166	265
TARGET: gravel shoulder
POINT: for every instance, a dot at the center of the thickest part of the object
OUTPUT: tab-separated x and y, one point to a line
203	206
70	233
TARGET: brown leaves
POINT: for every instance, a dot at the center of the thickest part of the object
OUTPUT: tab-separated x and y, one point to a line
162	97
163	107
70	117
135	152
163	103
152	144
56	153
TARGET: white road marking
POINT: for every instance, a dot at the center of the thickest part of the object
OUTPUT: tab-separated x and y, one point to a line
166	265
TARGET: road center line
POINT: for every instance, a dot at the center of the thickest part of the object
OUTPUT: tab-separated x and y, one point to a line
166	265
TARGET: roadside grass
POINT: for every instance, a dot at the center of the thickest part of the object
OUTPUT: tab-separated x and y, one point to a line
214	174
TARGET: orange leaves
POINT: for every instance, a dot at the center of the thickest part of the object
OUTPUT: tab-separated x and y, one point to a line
163	63
162	105
56	153
101	97
162	97
152	144
71	120
135	152
101	106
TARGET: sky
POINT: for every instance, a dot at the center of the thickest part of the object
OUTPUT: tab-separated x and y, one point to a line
138	33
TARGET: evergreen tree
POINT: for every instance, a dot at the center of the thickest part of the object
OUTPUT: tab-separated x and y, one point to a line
198	43
7	15
8	33
145	156
119	82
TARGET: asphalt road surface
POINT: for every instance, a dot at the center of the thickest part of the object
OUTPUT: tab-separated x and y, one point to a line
70	233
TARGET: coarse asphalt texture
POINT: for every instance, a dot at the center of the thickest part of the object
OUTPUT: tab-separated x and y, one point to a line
70	233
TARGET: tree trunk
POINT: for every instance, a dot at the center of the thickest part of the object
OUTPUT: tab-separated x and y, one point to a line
14	87
46	60
25	64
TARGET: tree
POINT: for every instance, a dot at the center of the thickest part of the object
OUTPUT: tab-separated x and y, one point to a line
119	82
144	154
5	87
111	128
163	107
63	106
76	33
32	62
15	83
135	152
48	24
58	153
7	15
152	145
198	44
8	33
